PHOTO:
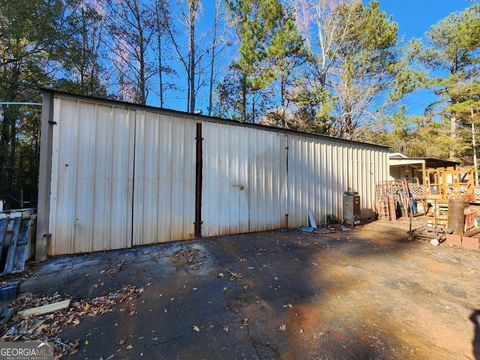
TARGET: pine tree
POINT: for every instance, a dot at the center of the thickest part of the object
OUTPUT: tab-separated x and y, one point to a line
452	56
258	25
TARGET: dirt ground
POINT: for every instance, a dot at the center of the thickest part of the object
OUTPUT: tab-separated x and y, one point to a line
363	294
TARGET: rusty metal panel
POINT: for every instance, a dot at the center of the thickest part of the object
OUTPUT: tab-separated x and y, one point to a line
92	173
164	191
321	170
244	180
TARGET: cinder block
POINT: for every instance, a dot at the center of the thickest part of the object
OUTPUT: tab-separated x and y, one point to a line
454	240
471	243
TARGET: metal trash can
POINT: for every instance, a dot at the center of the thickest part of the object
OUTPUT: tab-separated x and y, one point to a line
351	207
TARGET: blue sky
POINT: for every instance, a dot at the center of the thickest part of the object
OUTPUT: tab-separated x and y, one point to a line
414	18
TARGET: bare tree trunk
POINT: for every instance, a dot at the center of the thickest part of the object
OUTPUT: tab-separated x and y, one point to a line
244	98
212	63
160	69
188	83
474	146
84	45
253	108
282	99
141	98
453	132
193	14
121	83
160	60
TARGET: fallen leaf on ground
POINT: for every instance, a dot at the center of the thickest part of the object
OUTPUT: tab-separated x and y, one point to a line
48	327
234	275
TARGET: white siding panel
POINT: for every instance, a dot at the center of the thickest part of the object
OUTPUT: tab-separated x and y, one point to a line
92	173
124	175
164	191
244	175
321	170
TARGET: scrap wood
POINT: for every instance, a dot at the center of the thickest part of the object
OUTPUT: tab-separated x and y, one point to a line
472	232
47	327
45	309
422	233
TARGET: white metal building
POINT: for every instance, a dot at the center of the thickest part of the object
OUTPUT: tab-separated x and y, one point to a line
115	175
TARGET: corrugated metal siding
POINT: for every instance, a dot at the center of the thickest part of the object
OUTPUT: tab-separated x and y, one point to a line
92	173
164	191
267	169
244	179
320	171
124	176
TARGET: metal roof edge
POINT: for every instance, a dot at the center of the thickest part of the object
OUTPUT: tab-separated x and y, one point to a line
211	118
432	158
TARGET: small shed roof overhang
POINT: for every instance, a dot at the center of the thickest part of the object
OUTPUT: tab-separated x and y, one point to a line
398	159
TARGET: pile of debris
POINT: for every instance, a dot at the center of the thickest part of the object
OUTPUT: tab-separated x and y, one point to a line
31	317
452	221
394	199
189	256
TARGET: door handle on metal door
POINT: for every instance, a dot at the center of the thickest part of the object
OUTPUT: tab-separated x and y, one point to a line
241	187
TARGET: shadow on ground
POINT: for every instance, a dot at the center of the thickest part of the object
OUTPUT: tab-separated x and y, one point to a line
367	294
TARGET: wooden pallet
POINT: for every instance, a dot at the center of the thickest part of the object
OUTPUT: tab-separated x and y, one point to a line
18	228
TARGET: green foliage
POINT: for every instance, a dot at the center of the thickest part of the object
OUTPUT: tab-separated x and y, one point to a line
452	56
29	41
352	61
268	43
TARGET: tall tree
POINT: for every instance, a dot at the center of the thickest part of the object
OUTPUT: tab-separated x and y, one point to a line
82	40
352	56
323	32
132	30
191	59
258	28
30	33
218	44
365	65
452	54
162	21
193	6
287	55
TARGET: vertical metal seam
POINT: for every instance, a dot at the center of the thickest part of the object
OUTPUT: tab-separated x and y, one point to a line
133	175
75	182
45	176
198	180
285	181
